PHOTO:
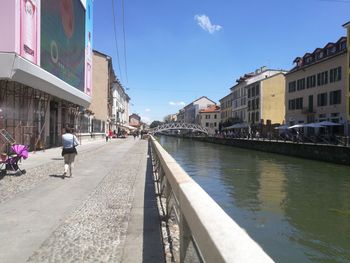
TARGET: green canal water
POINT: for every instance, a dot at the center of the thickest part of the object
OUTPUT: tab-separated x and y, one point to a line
298	210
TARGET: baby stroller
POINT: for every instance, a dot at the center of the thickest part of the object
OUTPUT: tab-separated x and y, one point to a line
10	162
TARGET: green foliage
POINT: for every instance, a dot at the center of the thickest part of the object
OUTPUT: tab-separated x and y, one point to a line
155	124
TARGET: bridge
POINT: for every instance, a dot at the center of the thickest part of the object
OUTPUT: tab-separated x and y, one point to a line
179	126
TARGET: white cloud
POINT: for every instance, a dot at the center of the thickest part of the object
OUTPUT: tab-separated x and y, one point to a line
204	22
177	103
147	110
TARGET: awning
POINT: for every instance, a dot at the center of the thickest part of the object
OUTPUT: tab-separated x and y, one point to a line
237	126
296	126
282	127
329	123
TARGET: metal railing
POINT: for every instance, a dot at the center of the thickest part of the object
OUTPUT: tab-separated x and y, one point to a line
205	229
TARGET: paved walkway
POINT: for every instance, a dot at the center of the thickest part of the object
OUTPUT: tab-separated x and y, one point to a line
105	213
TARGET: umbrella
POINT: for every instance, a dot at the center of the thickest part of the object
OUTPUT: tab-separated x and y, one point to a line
283	127
328	123
300	125
314	125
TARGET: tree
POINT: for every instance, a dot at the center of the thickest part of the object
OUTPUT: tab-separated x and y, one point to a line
155	124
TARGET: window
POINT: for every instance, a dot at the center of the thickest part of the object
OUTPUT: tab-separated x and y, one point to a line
308	59
311	81
322	99
298	103
214	124
248	93
295	104
215	117
291	86
343	45
301	84
257	90
335	97
207	117
291	104
207	124
319	55
249	105
257	103
322	78
335	74
257	116
253	91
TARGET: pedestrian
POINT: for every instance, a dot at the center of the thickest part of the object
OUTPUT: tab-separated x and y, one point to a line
69	142
134	134
107	136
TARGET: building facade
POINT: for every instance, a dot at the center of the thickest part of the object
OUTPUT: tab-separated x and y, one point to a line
170	118
120	108
226	108
317	87
210	119
135	120
180	116
255	96
191	111
265	99
44	87
347	27
100	107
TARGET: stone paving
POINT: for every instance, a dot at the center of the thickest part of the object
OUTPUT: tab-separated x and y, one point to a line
87	218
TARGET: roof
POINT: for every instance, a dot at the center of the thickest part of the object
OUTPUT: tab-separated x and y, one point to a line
230	94
347	24
100	53
211	108
199	99
313	54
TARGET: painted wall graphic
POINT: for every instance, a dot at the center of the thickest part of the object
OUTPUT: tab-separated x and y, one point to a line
29	32
63	40
88	48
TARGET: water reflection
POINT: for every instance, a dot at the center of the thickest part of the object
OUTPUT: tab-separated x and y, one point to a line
297	210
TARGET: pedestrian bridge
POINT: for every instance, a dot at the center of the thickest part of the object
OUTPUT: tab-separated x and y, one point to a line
179	126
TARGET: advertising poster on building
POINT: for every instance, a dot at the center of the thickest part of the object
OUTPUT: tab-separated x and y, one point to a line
63	40
29	31
88	48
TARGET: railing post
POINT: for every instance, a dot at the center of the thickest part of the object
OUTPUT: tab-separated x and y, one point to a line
185	238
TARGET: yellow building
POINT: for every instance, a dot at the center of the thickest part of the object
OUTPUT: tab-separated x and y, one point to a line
226	108
317	87
266	99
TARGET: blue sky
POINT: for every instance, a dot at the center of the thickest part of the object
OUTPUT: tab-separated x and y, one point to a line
174	55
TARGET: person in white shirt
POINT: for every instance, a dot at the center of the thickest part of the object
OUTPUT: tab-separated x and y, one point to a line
69	142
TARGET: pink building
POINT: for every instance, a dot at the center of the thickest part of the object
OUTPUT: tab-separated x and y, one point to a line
45	80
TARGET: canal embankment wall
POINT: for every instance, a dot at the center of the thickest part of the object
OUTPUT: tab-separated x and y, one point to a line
321	152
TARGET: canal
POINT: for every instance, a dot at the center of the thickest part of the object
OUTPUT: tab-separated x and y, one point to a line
298	210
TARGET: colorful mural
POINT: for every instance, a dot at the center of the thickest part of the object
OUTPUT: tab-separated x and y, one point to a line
63	40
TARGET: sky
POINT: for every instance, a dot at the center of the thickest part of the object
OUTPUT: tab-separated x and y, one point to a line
177	51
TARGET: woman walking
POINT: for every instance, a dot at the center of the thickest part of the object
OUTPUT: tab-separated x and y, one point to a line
69	142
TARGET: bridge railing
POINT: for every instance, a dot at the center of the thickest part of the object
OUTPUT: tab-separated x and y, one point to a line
205	229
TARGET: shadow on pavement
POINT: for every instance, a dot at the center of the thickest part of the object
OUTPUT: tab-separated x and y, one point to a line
152	243
57	176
